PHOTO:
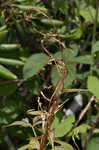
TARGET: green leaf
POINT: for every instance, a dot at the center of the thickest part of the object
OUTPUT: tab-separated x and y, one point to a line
89	14
3	28
8	112
95	47
33	144
27	7
7	89
87	59
93	144
3	36
74	34
54	76
8	47
24	123
21	32
5	73
82	76
20	1
63	145
11	109
64	127
74	49
80	129
55	123
70	76
27	146
93	85
68	53
55	22
34	64
11	62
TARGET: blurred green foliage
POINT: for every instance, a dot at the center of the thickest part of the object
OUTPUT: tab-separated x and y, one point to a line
40	41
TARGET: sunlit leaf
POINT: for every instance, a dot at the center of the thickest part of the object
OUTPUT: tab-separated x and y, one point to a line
55	122
5	73
33	144
11	62
63	145
27	7
64	127
24	123
93	85
52	22
9	47
82	60
95	47
35	113
74	34
80	129
2	28
89	14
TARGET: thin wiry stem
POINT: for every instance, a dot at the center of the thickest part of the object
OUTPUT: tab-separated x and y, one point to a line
85	110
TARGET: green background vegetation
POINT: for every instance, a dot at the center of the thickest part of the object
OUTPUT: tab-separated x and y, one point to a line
44	43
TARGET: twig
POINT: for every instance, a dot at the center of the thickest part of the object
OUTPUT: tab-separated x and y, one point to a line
44	96
84	111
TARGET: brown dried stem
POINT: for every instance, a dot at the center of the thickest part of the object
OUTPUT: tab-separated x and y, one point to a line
84	110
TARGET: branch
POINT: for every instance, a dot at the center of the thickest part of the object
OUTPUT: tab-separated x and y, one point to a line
84	111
